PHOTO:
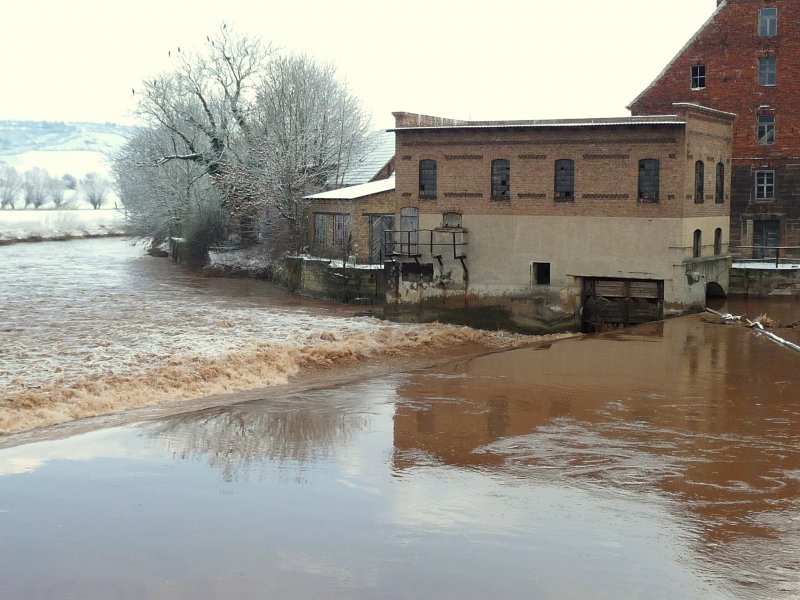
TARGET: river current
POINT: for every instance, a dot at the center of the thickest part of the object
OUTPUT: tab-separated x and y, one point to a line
661	461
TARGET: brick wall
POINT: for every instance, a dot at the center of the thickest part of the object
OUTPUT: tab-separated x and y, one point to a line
606	162
729	46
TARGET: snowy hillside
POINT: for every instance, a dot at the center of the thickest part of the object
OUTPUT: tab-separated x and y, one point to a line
59	148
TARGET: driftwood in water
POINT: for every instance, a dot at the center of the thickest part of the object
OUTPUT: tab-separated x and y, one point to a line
756	325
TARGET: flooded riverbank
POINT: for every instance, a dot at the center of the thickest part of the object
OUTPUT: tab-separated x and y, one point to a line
657	462
94	326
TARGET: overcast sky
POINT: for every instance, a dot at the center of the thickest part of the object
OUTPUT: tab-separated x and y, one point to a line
78	60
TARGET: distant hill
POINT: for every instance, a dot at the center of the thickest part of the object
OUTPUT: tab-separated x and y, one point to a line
58	147
18	137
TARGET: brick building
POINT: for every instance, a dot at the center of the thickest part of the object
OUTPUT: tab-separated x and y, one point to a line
746	60
605	221
351	221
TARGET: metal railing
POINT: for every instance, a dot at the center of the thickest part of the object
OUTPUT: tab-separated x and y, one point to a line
408	244
768	255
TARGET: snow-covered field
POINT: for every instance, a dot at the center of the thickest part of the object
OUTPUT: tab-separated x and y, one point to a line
19	225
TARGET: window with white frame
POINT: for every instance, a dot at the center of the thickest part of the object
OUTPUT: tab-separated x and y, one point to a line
767	70
765	185
767	22
765	129
698	77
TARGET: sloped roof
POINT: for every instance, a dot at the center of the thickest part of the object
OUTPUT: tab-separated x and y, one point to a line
692	40
379	151
354	192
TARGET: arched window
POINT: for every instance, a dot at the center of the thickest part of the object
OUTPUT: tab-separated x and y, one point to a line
648	179
427	178
699	182
719	197
717	241
564	189
501	184
697	244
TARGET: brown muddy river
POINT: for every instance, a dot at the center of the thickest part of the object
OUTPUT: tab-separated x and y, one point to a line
658	462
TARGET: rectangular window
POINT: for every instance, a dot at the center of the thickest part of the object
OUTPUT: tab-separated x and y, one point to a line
765	130
719	196
320	228
427	178
564	180
699	182
698	77
768	22
501	171
341	229
541	273
648	180
766	71
765	185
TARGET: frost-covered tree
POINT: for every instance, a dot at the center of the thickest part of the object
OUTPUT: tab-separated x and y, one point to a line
10	185
259	128
56	190
34	187
162	198
96	189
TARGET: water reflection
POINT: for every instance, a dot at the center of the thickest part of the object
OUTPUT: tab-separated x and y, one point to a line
251	438
703	419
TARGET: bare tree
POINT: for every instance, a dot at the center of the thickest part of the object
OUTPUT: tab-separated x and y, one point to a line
96	189
34	187
262	130
10	185
56	190
310	128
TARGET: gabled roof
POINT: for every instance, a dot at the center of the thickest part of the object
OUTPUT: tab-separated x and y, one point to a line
354	192
379	151
691	41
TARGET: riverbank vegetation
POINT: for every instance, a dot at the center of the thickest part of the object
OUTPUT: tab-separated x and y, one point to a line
232	141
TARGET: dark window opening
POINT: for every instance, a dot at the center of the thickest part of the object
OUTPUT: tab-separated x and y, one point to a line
698	77
768	22
717	241
648	179
427	178
765	185
341	229
719	197
564	180
767	70
765	129
699	182
501	172
541	273
320	228
697	244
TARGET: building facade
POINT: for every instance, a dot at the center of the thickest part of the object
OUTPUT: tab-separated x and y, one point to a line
746	60
603	222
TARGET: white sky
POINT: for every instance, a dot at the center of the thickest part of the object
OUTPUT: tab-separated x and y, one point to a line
77	60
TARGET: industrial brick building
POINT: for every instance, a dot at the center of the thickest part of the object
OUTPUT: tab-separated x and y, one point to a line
746	60
596	221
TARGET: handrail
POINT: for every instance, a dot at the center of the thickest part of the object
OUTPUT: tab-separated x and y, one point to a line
409	241
778	254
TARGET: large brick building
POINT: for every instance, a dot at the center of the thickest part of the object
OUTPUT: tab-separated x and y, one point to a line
746	60
605	221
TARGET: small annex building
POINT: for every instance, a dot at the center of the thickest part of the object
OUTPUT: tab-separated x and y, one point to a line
557	223
350	222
